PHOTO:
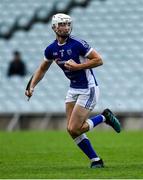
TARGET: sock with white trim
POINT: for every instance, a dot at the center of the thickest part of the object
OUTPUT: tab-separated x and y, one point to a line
84	144
94	121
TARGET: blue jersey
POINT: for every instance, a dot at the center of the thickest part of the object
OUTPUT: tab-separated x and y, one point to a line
76	50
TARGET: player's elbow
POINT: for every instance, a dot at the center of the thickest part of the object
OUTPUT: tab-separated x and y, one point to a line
99	62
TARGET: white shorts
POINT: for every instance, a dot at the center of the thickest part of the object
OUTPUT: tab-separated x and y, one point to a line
86	98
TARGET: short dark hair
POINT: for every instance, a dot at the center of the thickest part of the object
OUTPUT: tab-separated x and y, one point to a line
16	53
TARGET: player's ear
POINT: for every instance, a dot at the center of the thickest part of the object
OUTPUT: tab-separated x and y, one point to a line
53	27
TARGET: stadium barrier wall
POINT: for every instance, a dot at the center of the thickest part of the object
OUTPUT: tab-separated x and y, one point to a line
57	121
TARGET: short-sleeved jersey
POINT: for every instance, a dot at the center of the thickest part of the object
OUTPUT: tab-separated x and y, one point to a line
76	50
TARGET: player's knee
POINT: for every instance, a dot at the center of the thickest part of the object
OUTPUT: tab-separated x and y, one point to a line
73	131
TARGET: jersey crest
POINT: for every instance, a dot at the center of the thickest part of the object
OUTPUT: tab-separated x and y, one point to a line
69	52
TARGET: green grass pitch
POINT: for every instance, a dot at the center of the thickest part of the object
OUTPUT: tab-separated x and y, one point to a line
53	154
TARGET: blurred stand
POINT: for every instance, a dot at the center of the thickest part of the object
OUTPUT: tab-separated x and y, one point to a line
114	28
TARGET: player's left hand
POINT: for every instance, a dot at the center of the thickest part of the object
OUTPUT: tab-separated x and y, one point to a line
72	65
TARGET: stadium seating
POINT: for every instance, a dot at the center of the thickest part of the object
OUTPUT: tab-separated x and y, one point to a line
113	28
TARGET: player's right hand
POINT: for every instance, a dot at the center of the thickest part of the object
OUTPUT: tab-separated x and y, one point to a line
29	92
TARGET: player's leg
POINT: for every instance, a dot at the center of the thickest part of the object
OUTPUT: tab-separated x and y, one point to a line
81	140
69	109
107	116
77	119
79	123
71	99
77	116
75	129
85	103
88	101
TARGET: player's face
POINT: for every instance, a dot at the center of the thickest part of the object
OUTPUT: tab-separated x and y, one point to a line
63	29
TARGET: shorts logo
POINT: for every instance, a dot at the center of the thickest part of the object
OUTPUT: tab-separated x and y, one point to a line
69	51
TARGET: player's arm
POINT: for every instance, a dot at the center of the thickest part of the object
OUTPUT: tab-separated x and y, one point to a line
93	60
38	75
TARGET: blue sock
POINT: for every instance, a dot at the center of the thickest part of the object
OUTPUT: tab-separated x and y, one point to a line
94	121
84	144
